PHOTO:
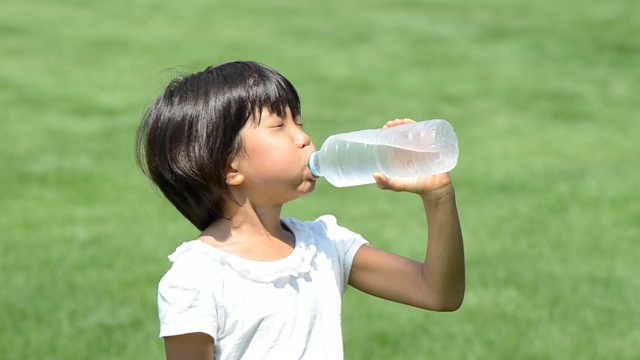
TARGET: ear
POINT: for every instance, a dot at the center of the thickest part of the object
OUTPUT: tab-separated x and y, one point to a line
233	176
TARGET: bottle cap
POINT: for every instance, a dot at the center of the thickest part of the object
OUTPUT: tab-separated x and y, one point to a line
313	162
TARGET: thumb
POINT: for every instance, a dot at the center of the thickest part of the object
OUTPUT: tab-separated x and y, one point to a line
383	182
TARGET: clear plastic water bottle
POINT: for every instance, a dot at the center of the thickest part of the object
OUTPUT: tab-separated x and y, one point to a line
414	149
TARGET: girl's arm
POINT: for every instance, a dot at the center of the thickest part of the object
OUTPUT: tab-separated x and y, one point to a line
194	346
438	283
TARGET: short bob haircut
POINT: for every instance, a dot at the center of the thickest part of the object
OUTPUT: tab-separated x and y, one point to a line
189	135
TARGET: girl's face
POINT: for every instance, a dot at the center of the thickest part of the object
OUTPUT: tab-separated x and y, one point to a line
274	160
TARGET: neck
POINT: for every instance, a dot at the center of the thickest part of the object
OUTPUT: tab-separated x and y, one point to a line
248	217
251	232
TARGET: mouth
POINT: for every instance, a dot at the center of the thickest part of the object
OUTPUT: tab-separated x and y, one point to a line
309	174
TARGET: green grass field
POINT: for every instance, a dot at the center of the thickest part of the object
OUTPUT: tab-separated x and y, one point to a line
544	97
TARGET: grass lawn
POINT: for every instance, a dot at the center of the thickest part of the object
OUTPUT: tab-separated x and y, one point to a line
543	96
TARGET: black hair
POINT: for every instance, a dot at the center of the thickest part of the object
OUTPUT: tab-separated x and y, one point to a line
189	135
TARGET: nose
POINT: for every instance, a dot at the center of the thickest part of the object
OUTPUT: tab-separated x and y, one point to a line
302	140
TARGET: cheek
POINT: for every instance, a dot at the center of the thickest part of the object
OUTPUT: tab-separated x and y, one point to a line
265	150
256	162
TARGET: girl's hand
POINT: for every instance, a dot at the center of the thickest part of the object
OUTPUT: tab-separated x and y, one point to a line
433	186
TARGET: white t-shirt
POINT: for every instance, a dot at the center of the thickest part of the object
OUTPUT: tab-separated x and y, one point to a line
283	309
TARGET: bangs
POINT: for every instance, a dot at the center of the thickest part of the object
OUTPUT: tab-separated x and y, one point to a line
273	92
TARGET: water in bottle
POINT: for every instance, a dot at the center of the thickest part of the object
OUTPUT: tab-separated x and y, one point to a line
408	150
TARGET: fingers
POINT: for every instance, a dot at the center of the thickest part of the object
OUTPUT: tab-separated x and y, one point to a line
397	122
381	180
385	183
419	184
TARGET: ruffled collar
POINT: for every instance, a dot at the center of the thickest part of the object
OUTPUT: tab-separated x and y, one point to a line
297	264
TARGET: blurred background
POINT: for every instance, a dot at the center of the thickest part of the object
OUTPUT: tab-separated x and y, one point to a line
543	96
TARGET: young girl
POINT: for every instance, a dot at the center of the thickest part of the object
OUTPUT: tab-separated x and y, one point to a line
226	146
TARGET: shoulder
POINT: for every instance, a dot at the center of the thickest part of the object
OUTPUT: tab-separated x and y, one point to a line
328	226
191	268
335	243
326	231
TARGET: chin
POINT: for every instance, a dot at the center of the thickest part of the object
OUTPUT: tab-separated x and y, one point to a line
307	187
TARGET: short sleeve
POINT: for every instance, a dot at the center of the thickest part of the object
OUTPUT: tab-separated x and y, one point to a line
185	300
347	242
